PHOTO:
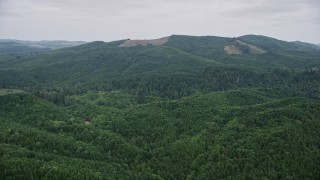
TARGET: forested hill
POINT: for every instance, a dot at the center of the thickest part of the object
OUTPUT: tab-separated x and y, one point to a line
178	107
176	66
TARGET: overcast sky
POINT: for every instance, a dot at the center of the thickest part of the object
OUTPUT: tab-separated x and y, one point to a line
109	20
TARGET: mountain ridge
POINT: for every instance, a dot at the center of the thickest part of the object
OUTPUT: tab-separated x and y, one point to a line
45	45
182	58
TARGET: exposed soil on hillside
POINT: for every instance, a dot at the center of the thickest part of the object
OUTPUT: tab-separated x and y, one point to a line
155	42
234	48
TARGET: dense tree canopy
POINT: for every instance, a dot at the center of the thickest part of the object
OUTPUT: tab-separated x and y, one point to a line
184	110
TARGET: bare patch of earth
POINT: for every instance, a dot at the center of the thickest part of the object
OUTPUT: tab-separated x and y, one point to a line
155	42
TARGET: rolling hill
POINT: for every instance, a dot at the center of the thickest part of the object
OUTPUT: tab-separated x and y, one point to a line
178	67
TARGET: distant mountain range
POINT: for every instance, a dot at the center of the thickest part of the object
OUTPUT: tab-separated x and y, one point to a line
10	46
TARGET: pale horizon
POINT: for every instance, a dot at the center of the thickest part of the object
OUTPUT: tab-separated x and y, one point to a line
98	20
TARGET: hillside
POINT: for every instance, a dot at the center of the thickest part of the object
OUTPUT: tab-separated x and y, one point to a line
272	44
238	47
174	69
155	42
179	107
307	45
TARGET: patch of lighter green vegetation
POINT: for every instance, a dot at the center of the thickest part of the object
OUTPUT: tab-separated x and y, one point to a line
4	92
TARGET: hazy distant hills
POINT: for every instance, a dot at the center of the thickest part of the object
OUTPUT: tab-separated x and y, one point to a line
269	43
307	45
9	46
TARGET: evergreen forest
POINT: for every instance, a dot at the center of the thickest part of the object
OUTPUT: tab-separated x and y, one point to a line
190	108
